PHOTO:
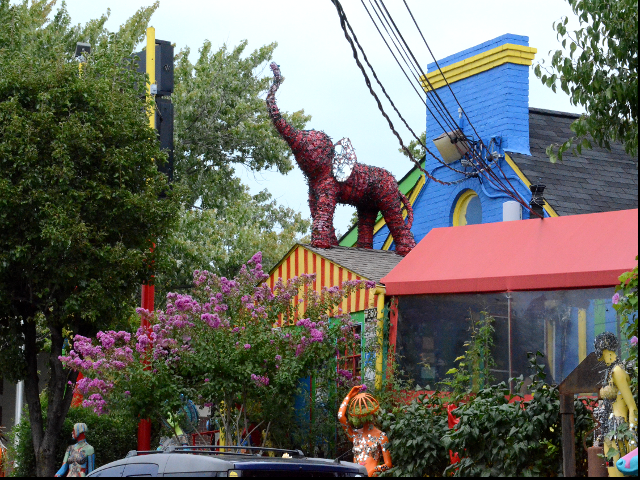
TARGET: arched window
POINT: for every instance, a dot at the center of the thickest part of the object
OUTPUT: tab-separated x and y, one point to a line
468	210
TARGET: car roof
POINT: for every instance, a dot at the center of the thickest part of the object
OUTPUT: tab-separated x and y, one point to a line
194	461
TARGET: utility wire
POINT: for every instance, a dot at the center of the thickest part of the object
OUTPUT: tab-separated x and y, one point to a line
346	29
414	87
482	167
520	199
405	55
438	104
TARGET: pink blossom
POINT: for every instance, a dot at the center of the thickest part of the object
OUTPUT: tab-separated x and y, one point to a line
616	298
260	381
206	380
633	340
247	346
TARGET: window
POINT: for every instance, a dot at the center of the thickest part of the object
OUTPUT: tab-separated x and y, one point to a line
350	359
141	470
468	209
562	324
109	472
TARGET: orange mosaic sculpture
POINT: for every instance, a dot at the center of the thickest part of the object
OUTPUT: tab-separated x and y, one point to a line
369	442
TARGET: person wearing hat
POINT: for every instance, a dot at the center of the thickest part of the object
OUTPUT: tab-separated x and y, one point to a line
369	442
79	460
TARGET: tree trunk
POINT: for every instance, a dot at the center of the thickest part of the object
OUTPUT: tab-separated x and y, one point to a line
45	439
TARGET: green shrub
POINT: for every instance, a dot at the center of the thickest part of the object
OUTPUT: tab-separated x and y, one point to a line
522	438
416	432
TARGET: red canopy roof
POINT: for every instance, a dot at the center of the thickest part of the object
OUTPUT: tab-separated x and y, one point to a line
578	251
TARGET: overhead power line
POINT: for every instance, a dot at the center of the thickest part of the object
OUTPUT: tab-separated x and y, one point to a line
475	149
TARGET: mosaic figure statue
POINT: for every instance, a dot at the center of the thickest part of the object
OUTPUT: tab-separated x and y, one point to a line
617	406
369	443
334	176
79	460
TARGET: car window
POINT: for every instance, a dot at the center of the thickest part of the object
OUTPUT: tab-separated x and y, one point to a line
109	472
141	470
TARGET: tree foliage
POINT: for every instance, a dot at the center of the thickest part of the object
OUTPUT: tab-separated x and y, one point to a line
416	148
222	122
222	240
218	346
598	69
79	194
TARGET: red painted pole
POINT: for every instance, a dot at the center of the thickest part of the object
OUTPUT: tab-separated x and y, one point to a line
148	290
144	426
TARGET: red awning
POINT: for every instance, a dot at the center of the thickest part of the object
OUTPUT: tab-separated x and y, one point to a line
578	251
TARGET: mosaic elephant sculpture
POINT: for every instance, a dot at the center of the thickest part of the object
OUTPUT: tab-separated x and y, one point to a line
334	176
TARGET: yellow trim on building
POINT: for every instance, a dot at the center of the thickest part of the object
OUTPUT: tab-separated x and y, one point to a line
582	334
460	212
548	208
507	53
412	199
380	292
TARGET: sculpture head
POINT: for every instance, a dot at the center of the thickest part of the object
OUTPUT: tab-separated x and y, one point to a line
362	409
605	346
79	429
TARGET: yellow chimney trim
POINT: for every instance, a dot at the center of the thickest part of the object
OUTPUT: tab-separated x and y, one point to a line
548	208
507	53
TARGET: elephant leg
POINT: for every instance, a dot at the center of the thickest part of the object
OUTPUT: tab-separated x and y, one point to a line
323	234
366	222
392	213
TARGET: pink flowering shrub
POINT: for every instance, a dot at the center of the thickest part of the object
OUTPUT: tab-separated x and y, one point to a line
220	345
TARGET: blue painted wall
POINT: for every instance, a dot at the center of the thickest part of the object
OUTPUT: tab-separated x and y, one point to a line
497	103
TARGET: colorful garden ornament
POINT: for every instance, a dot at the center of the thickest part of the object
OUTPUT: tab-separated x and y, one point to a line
79	460
368	440
628	465
618	405
335	176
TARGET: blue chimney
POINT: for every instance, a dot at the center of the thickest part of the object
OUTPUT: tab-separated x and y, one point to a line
491	82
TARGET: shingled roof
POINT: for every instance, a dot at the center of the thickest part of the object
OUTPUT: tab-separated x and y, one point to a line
370	264
599	180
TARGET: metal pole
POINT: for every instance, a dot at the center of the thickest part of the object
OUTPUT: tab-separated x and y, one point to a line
148	290
510	342
19	400
567	410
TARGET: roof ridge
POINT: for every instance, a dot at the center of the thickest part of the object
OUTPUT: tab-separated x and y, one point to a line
554	113
359	249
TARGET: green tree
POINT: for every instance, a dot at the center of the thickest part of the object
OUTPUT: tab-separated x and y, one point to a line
218	346
222	240
221	123
79	195
416	148
598	69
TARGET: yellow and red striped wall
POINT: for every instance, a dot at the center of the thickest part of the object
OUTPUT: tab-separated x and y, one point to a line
301	260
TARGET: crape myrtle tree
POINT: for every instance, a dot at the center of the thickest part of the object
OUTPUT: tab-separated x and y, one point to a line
598	69
221	124
232	344
79	195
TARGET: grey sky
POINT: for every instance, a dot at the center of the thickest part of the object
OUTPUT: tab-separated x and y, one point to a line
321	75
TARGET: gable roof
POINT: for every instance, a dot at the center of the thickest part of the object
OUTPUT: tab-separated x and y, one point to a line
370	264
598	180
